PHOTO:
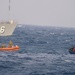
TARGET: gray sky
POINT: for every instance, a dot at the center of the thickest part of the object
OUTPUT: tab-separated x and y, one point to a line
40	12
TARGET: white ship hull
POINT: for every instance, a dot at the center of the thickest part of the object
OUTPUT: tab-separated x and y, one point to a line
6	29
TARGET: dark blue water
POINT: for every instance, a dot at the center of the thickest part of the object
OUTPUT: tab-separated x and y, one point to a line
44	51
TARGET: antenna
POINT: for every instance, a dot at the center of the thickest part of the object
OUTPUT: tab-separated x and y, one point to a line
9	9
9	5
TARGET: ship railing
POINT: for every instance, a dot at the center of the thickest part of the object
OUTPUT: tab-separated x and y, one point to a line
7	22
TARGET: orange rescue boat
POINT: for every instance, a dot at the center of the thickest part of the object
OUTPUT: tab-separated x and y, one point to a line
14	48
10	47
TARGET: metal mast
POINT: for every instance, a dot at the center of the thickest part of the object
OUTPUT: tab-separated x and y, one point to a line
9	8
9	5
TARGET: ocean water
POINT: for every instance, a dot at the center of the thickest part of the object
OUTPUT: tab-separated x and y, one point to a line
43	51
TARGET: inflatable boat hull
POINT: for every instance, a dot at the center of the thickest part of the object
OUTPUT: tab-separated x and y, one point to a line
10	49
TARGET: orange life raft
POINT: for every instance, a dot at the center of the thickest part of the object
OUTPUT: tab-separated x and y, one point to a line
14	48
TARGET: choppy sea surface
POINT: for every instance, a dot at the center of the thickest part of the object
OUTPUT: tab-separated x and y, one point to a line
43	51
